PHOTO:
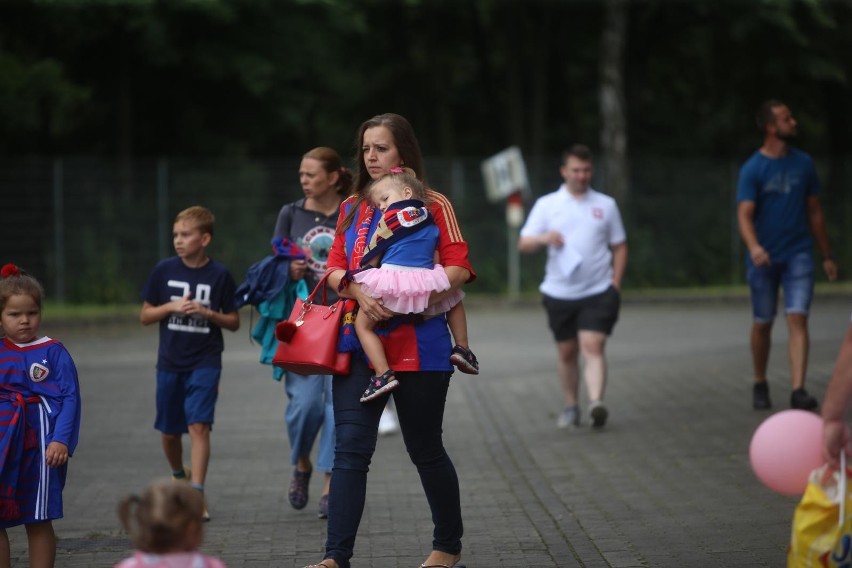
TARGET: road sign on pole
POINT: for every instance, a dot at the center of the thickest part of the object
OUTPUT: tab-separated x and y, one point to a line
505	173
505	176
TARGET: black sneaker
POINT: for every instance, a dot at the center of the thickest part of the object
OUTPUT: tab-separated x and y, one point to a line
598	414
465	360
760	396
800	399
380	385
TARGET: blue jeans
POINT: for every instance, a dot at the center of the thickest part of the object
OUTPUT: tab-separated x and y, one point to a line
795	276
309	409
420	399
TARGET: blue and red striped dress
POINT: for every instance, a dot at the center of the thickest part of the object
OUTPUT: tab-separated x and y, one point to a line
39	404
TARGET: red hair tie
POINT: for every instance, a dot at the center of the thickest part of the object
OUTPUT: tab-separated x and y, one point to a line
396	170
9	270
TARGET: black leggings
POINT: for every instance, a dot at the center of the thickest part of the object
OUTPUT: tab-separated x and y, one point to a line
420	399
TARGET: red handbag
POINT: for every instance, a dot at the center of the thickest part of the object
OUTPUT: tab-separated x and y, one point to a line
308	339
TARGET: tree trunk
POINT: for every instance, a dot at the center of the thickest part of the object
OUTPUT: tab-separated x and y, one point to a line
616	167
540	85
124	125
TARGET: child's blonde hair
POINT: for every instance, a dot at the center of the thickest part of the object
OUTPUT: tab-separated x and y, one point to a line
402	178
159	520
200	216
15	281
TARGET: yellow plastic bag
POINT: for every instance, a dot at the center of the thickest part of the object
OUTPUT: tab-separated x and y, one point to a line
822	531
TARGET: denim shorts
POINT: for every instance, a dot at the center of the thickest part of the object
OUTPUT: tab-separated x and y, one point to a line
795	276
593	313
186	398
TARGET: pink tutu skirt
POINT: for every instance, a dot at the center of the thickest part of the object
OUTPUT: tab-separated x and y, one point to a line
406	289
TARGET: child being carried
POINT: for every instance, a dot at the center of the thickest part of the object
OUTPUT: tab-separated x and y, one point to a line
400	268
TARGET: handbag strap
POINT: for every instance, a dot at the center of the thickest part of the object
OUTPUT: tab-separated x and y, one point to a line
841	487
321	285
309	301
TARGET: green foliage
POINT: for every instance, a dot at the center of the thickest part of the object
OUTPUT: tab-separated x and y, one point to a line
236	193
264	77
680	221
98	272
218	87
37	101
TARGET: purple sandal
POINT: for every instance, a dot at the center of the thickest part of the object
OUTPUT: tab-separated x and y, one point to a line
298	493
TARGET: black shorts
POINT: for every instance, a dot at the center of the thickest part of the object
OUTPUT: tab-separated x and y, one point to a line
593	313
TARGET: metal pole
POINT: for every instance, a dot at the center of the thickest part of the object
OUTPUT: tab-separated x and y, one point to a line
514	221
162	208
457	180
735	255
514	263
59	230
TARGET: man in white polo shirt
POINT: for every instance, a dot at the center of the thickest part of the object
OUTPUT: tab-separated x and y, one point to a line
586	259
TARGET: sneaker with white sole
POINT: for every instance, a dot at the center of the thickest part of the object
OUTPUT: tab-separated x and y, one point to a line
388	424
465	360
380	385
569	417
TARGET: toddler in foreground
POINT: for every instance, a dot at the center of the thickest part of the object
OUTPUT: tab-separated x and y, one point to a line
166	527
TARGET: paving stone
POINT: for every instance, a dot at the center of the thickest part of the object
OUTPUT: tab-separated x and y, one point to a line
667	483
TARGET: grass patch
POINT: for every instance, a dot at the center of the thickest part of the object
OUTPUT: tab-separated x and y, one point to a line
106	311
121	311
740	291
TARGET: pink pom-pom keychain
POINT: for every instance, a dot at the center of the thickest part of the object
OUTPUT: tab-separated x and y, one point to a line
284	331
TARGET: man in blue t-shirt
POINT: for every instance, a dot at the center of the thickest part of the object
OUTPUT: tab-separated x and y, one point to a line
191	296
778	210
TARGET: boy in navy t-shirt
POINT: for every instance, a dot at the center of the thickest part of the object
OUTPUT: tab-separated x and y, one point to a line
192	297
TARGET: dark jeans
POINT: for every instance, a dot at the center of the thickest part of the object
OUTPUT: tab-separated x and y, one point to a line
420	399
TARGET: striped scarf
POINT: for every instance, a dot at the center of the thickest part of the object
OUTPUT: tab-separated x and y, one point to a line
357	234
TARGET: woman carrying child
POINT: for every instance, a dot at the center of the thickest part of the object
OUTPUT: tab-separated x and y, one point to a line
417	348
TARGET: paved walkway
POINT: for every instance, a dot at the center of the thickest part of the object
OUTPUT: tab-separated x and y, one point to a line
666	484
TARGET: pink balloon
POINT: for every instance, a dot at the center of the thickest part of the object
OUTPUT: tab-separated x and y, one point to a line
785	448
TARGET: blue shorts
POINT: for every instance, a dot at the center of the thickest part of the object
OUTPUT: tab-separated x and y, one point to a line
795	276
186	398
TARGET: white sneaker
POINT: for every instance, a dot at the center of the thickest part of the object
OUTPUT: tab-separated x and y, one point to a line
569	417
388	423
